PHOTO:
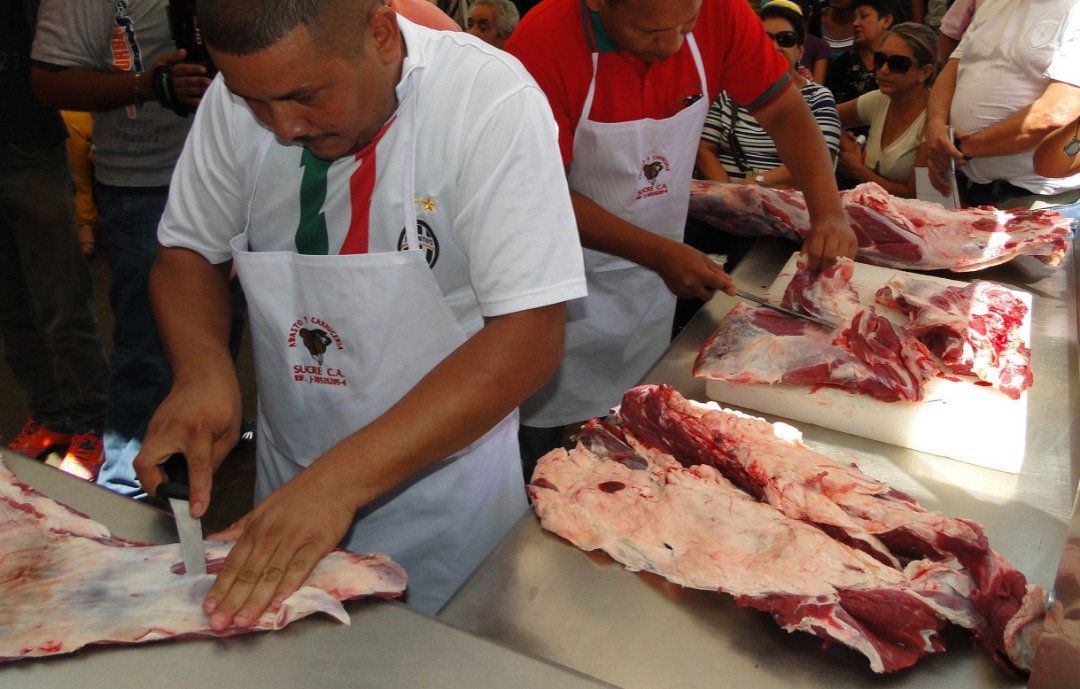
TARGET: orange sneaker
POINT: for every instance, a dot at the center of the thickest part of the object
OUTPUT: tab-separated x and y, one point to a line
37	440
85	456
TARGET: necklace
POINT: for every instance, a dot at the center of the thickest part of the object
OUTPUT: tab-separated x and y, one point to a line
1073	147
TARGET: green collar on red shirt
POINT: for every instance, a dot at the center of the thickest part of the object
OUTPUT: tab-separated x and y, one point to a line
596	36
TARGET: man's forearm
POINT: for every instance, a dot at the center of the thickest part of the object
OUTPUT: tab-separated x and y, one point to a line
77	88
801	145
603	231
193	311
1025	129
939	103
459	400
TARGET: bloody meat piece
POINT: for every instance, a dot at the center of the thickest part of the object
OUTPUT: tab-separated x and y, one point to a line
66	583
695	528
893	232
867	353
974	329
851	506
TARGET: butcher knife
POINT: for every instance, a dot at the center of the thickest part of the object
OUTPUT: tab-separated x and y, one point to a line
794	314
178	494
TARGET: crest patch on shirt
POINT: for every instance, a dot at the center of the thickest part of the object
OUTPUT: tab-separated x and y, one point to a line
428	242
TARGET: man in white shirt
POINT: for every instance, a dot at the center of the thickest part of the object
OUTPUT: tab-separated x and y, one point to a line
1014	79
394	203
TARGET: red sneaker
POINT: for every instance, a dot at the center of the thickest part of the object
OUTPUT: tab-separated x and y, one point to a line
85	456
36	440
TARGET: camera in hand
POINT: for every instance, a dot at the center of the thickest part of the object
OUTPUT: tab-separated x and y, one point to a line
187	34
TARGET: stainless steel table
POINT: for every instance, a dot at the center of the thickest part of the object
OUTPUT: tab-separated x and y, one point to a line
540	595
387	645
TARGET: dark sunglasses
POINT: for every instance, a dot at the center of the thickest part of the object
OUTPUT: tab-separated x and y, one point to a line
898	64
784	39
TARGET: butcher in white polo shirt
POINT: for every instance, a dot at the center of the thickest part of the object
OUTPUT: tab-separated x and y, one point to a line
394	203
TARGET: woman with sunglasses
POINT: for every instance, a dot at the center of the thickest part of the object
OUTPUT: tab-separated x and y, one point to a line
733	146
906	66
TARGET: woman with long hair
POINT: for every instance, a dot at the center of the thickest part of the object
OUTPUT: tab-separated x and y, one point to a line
906	66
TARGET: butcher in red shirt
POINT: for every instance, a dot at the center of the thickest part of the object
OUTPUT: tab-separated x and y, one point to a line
630	82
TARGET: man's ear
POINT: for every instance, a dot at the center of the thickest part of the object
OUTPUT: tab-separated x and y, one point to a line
888	19
383	30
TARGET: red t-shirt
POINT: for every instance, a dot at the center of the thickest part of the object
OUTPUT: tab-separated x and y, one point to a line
556	39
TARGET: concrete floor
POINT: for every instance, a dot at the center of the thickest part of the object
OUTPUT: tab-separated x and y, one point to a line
234	482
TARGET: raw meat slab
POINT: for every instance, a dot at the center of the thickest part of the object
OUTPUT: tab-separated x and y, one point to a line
951	421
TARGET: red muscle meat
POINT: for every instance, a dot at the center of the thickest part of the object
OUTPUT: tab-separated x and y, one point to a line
66	583
867	353
893	232
770	463
695	528
974	329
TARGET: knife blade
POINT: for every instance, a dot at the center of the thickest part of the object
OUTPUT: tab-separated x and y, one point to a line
189	528
795	314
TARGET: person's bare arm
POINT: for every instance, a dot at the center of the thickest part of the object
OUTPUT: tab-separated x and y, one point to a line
708	164
687	272
942	152
1025	129
1051	159
470	391
79	88
849	114
801	145
201	415
854	166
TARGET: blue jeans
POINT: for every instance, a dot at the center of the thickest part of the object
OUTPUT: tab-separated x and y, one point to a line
139	372
48	330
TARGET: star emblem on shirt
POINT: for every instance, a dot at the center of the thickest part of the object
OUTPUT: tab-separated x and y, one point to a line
428	204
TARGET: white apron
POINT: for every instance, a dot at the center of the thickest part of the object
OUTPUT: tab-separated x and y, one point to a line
639	171
335	345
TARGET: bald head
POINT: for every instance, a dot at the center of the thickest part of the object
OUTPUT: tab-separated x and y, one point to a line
243	27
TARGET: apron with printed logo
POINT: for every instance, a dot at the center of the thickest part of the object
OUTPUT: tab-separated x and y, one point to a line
639	171
338	340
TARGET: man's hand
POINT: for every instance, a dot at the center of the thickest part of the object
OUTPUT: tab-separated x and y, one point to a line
689	273
279	543
943	155
179	85
828	240
202	422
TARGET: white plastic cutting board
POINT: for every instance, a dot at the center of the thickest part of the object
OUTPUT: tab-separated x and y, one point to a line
957	419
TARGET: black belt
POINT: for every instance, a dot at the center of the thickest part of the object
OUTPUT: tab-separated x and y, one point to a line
988	193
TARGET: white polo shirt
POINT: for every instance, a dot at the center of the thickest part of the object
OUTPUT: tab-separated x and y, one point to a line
490	191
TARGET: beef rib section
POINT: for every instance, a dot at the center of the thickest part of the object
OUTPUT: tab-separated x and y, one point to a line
718	500
892	231
66	583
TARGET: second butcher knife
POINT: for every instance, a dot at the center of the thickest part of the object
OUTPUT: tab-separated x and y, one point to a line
794	314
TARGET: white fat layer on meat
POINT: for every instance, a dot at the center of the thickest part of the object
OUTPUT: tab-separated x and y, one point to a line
61	590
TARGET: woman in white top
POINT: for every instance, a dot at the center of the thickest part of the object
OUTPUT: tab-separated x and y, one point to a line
906	66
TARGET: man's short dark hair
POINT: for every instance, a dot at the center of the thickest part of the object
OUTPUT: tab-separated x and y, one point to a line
243	27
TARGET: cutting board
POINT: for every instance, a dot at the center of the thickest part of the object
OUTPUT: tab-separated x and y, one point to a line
956	419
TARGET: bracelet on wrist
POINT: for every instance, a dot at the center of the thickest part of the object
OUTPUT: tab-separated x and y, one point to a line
135	90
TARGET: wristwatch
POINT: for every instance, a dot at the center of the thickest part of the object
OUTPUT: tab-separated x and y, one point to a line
760	180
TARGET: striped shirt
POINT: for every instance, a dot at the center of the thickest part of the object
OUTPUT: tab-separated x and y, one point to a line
757	148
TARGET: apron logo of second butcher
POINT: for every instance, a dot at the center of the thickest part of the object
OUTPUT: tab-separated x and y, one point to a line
318	338
650	184
428	242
